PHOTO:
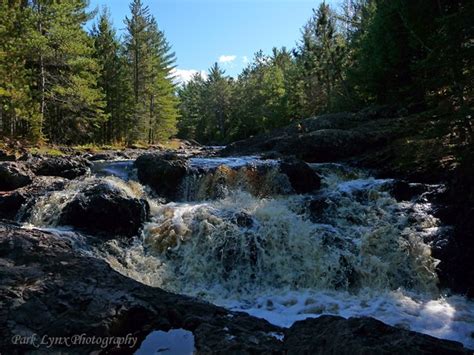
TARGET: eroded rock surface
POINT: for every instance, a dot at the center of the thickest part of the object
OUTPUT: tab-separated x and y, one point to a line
107	210
14	175
162	172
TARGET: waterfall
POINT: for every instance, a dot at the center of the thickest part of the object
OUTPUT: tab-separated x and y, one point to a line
239	237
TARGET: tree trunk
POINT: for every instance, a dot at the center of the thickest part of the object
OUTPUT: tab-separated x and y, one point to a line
42	80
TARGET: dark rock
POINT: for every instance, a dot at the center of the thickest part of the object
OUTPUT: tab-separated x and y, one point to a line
243	219
404	191
13	176
336	335
162	172
381	111
25	198
242	335
69	168
10	204
103	156
327	145
316	207
302	178
49	288
271	155
106	210
319	139
26	157
4	156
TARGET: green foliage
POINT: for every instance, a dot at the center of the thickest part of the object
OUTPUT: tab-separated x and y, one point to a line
321	58
64	70
18	112
114	81
417	54
151	63
59	83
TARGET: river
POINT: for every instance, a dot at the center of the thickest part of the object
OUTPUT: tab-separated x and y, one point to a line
238	237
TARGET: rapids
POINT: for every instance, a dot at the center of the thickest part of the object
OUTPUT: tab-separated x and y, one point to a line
239	238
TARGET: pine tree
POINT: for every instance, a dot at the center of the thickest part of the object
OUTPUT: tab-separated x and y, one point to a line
191	107
19	115
321	55
151	63
163	98
217	96
65	72
113	80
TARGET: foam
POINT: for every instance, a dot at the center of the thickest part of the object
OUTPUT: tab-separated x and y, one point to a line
448	317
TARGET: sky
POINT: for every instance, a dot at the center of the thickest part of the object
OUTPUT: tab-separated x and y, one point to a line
202	32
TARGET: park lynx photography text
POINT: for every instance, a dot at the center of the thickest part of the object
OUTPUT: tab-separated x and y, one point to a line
47	341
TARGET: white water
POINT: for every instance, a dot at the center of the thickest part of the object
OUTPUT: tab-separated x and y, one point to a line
252	247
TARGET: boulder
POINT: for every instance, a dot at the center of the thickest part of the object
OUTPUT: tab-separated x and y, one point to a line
66	167
5	156
10	204
324	138
23	199
162	172
337	335
14	175
316	208
404	191
302	178
106	210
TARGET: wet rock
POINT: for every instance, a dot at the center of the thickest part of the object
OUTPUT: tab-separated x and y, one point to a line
336	335
302	178
162	172
5	156
99	301
23	199
242	335
317	206
106	210
10	204
66	167
14	175
404	191
243	219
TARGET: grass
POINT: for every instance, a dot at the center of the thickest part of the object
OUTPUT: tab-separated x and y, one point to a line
46	150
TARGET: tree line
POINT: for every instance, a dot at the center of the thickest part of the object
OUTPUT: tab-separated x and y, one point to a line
62	84
416	54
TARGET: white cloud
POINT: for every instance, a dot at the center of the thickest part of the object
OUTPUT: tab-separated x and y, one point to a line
182	76
227	58
245	59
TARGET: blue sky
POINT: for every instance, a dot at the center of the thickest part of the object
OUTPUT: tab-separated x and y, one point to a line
202	32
